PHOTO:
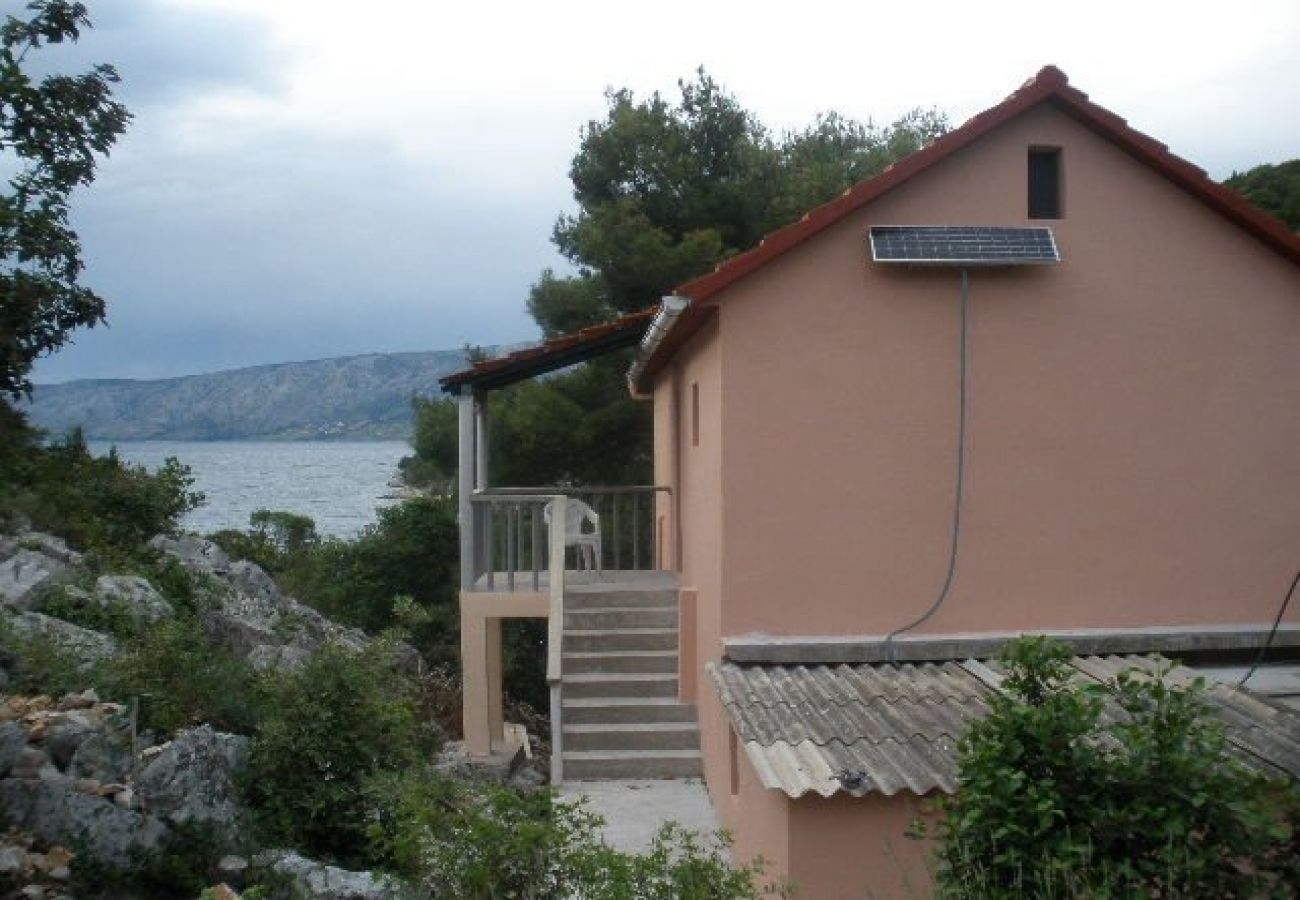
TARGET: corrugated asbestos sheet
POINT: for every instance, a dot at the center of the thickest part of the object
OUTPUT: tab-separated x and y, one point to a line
881	728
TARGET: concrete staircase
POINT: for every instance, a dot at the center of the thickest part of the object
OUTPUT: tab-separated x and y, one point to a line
620	713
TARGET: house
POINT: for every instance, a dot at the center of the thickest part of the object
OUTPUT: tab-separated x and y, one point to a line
1073	409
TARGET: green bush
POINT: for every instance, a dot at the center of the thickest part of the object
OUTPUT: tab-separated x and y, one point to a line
1056	801
183	679
94	502
455	840
327	729
412	550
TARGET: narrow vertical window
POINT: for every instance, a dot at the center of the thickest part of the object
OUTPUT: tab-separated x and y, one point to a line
1045	183
695	414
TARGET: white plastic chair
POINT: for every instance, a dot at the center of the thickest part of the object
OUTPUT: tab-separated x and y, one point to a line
577	515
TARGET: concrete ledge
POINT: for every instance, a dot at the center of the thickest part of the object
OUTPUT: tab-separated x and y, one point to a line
831	649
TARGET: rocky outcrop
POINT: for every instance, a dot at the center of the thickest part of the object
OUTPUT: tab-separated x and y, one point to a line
71	772
67	776
251	615
192	781
86	646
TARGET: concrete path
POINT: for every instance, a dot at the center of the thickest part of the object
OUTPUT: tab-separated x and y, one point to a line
634	810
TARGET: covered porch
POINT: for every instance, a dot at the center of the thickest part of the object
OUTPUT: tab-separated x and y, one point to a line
517	558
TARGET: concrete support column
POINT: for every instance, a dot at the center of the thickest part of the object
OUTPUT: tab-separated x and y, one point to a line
476	715
495	688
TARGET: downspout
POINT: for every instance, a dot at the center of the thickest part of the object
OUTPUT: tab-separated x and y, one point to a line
670	308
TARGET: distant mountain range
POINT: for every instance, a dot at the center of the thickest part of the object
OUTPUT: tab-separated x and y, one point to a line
351	397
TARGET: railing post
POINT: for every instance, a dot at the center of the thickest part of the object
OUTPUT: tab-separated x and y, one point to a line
465	488
555	634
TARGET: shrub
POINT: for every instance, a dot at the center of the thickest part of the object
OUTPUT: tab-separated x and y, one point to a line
1057	802
182	679
412	550
458	841
96	502
327	729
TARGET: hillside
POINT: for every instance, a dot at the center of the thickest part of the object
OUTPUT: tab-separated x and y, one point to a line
352	397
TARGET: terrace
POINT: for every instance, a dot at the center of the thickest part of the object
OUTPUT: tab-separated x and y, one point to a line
612	641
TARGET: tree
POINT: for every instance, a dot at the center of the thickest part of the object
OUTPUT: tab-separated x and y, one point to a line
665	191
51	133
1273	188
1062	796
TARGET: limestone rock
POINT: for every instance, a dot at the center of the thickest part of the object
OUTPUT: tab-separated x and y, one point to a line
104	757
30	763
24	573
232	869
65	733
317	881
13	860
192	779
88	646
134	594
197	554
101	830
251	580
13	738
51	546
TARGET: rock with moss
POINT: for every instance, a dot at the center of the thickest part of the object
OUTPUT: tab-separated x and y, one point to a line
134	595
25	573
192	781
314	880
86	647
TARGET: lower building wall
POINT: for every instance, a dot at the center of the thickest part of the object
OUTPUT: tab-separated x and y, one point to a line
850	848
758	819
841	848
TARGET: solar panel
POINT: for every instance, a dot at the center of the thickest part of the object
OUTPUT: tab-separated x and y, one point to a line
963	245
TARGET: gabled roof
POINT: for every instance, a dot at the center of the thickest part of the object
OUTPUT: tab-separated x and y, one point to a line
883	729
1050	85
548	356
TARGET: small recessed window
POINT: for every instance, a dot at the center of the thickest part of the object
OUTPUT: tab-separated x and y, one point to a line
695	414
1045	183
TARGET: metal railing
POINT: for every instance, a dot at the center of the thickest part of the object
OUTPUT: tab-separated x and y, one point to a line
508	550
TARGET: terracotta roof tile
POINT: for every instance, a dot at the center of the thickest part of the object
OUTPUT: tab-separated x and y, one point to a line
554	352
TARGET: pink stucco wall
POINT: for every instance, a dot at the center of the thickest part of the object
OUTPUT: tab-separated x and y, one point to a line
1134	413
847	848
1134	419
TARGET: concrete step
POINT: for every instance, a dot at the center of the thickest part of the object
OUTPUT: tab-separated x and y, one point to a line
658	736
619	684
620	599
643	661
624	710
605	617
598	765
607	640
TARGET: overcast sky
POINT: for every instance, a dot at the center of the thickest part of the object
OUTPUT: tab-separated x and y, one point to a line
309	178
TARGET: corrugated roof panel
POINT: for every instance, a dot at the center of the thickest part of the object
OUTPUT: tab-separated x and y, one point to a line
893	728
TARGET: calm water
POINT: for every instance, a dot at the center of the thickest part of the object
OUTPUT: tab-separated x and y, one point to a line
338	484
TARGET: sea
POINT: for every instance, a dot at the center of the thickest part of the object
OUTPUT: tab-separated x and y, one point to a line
338	484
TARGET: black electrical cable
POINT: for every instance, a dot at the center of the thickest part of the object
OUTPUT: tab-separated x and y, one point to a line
1277	622
961	475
